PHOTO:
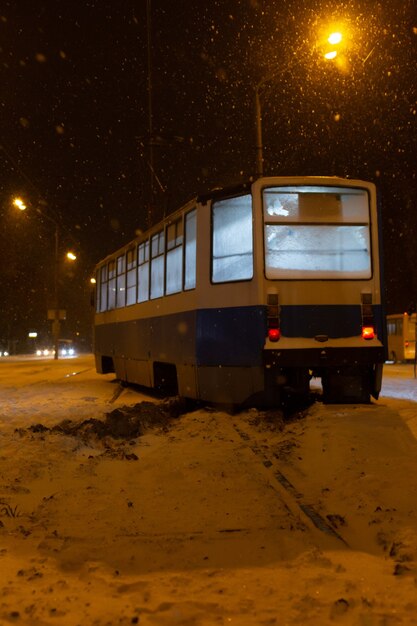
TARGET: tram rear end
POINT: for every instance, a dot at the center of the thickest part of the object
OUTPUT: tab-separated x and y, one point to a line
322	287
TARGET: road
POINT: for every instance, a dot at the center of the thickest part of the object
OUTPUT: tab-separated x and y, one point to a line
207	518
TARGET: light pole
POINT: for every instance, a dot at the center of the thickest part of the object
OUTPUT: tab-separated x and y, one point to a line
55	314
56	321
334	39
259	147
258	116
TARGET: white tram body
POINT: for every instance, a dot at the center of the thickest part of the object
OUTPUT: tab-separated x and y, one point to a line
244	294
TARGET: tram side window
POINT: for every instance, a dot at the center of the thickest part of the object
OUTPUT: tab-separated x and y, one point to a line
143	272
121	282
157	265
190	250
232	239
131	277
111	294
174	257
102	303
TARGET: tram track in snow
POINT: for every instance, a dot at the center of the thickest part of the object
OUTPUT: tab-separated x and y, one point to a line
295	500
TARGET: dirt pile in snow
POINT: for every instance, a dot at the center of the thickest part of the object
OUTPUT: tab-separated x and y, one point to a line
127	422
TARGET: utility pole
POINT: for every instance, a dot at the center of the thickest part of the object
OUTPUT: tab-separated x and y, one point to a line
259	147
56	324
151	199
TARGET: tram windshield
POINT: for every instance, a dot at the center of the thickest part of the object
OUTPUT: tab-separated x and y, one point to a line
316	232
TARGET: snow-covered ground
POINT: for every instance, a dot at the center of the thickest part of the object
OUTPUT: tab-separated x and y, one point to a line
206	519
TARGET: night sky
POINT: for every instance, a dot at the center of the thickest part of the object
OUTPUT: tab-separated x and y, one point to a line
74	130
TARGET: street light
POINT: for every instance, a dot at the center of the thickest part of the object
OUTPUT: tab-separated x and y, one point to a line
19	204
335	38
54	314
336	41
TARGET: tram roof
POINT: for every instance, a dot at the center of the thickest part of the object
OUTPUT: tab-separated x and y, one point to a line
213	194
217	193
225	192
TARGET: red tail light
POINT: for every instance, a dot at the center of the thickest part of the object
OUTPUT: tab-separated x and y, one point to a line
274	334
406	344
368	332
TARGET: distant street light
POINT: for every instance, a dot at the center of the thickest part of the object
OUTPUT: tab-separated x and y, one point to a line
18	203
55	314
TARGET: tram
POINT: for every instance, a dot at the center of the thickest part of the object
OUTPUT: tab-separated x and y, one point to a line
245	294
401	329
